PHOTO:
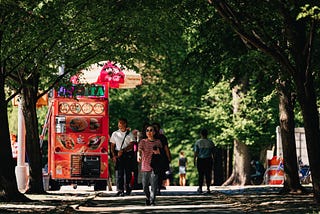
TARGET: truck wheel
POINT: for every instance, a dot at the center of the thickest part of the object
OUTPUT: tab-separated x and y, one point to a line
54	185
100	185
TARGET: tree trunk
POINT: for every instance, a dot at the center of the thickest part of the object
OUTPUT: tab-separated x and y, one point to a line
8	183
241	165
286	116
307	100
241	156
303	76
32	138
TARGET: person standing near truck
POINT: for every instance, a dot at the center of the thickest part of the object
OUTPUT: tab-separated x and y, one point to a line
122	155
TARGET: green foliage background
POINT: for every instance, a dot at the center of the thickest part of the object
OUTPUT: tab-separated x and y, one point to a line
188	57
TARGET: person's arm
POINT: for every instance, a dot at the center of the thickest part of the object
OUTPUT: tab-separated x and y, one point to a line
213	150
195	154
129	147
139	155
168	153
139	152
113	151
186	161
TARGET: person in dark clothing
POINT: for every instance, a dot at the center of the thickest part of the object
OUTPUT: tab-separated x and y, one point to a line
122	154
166	155
156	160
135	168
258	174
203	159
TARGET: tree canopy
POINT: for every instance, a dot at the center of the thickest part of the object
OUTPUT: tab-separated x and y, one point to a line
188	57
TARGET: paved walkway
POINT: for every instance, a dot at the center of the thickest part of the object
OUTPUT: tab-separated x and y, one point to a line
175	199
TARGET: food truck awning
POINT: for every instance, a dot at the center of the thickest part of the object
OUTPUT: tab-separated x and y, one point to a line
106	71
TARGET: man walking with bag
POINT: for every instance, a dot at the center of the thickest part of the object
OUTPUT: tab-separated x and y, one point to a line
122	155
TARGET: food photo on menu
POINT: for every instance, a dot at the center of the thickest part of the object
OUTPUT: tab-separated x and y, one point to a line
78	124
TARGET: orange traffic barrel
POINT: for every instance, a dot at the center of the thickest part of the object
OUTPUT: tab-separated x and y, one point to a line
275	171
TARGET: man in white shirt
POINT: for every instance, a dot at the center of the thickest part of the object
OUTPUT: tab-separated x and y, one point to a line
122	155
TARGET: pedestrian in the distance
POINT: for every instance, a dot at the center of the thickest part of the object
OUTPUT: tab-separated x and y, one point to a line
203	159
149	176
14	147
182	169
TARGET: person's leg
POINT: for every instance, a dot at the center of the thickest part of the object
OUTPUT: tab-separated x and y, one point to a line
128	173
135	176
183	179
145	185
161	177
208	174
182	176
200	174
154	187
120	178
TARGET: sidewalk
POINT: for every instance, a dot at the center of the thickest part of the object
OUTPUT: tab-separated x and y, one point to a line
175	199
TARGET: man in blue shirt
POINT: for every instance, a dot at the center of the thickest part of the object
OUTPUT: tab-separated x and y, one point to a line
203	159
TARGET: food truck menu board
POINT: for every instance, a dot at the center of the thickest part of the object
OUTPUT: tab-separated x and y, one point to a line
80	138
82	108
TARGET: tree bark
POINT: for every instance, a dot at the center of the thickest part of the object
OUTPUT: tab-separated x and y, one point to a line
286	116
307	100
32	136
241	156
301	35
241	166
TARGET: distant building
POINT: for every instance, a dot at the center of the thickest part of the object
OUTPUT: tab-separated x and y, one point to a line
301	145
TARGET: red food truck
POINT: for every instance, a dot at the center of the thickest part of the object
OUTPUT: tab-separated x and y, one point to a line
78	126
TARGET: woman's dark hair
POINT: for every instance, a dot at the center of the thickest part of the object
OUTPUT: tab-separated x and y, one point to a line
143	131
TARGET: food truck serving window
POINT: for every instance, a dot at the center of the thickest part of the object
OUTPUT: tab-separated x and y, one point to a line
86	90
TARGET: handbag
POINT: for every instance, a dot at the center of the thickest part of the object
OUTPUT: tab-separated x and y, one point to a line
117	153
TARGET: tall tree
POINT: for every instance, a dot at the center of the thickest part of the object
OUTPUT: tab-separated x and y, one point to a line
287	125
292	49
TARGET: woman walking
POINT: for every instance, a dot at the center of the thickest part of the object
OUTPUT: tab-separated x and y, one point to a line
182	169
147	147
